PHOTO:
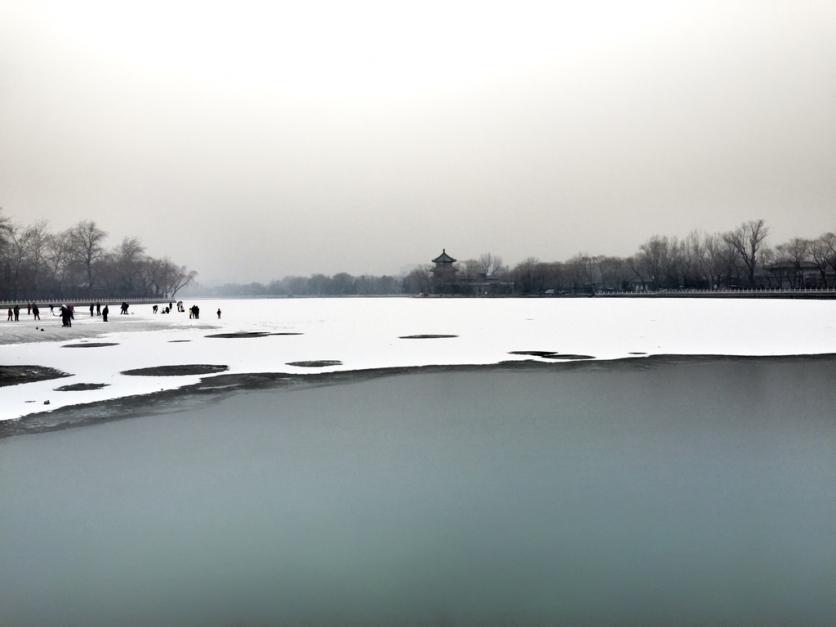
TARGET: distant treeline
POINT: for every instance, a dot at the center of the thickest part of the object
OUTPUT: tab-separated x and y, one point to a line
38	264
740	258
341	284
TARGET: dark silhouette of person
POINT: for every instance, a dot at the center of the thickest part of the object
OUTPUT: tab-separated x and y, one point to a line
36	313
66	316
98	309
196	312
11	315
105	311
72	312
91	309
28	308
219	313
17	313
155	308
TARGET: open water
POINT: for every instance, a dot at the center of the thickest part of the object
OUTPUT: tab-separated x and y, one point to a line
682	492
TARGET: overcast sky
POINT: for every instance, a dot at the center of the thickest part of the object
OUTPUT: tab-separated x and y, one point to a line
254	140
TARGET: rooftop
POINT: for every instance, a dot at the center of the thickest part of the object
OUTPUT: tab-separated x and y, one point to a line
444	257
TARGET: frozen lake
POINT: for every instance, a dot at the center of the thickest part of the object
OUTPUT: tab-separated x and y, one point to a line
644	492
355	333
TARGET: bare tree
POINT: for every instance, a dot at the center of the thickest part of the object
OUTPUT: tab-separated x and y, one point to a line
653	261
418	281
58	258
34	241
5	231
179	277
86	248
489	264
614	272
823	254
128	259
694	260
747	239
469	270
794	254
165	278
529	276
16	250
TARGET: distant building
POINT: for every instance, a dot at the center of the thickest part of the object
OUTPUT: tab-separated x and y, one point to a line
792	275
447	280
444	274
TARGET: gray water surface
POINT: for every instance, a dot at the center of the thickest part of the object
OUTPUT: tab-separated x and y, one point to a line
687	492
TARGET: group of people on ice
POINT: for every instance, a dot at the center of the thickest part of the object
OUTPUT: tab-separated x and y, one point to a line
67	312
194	310
31	309
167	310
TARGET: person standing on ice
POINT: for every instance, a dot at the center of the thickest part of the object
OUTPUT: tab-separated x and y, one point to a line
105	311
91	310
36	313
219	313
9	319
17	313
98	309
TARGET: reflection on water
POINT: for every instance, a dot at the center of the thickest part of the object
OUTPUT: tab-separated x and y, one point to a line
684	493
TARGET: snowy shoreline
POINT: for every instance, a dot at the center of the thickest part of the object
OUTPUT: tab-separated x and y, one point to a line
355	335
216	387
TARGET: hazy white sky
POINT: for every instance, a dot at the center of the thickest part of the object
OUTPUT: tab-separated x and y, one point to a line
254	140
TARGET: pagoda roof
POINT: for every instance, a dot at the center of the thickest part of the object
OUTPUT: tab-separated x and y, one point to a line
444	257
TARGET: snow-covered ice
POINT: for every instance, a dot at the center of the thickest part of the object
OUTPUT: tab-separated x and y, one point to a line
364	333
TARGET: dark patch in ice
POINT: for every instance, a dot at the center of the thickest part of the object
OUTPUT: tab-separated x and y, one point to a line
637	353
12	375
248	334
426	336
175	371
90	345
240	334
177	341
80	387
551	355
287	333
321	363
